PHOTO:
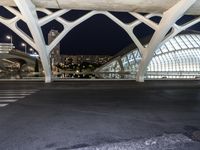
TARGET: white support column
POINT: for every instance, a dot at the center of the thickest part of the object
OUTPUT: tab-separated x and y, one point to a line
168	20
28	11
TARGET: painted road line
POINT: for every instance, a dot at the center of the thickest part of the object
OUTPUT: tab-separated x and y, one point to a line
17	92
13	94
3	105
8	100
20	91
11	97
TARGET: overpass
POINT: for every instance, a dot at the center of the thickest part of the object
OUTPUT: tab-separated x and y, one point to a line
16	56
170	11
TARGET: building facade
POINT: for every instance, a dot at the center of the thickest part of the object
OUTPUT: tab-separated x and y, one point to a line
91	59
55	53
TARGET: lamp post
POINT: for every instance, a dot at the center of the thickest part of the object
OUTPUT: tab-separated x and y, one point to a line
9	37
33	53
31	50
25	47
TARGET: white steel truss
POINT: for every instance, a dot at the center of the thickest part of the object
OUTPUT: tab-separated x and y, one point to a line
28	14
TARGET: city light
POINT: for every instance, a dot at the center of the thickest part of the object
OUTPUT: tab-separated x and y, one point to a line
9	37
33	52
31	49
23	44
25	47
34	55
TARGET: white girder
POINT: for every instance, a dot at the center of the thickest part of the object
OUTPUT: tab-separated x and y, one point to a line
29	16
145	6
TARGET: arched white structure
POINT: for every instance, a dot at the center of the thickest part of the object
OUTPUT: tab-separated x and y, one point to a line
178	58
28	15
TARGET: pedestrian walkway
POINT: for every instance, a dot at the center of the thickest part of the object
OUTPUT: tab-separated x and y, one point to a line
10	96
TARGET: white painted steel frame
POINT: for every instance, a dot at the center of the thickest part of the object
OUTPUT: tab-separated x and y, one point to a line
28	15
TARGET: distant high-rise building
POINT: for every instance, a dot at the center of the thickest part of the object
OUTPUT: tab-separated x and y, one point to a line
92	59
55	53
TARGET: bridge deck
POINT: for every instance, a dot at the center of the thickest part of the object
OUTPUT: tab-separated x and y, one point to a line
149	6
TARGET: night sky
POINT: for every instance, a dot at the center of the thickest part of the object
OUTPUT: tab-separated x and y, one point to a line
98	35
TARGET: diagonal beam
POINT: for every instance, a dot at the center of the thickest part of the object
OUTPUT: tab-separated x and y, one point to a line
11	24
143	19
28	11
51	17
169	19
177	29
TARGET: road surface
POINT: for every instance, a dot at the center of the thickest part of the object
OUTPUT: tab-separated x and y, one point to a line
91	114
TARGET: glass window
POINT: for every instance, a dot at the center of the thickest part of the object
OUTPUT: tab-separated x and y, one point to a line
169	46
180	42
194	43
158	51
175	44
164	49
186	41
196	39
131	58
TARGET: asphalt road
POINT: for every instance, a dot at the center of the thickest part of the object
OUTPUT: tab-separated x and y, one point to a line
72	115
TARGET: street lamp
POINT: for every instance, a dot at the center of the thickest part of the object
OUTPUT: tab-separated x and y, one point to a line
9	37
25	47
31	50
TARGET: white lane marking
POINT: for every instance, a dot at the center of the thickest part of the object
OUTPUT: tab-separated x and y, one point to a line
8	100
13	94
14	91
17	91
20	90
11	97
3	105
